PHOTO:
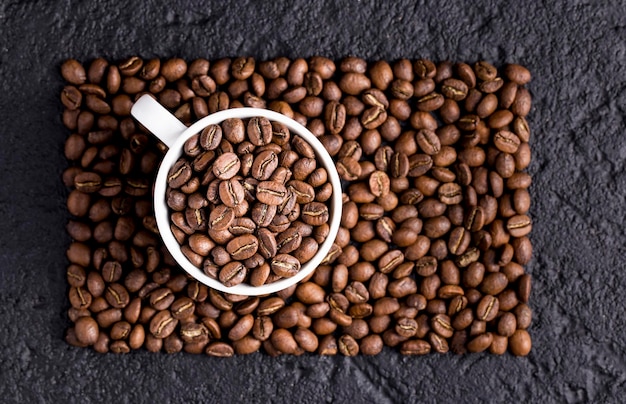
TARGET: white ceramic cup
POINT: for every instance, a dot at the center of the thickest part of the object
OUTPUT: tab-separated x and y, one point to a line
174	134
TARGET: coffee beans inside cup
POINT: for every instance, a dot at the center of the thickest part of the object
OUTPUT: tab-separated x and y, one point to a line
245	199
434	241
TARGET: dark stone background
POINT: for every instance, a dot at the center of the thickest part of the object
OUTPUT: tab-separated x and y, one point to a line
576	52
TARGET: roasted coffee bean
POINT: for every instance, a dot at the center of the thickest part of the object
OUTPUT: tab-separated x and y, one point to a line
233	273
120	330
231	193
161	299
522	103
283	341
480	343
243	247
173	69
219	349
454	89
450	193
485	70
271	193
506	141
86	330
111	271
520	343
163	324
73	72
441	325
264	165
310	293
419	164
430	102
494	283
517	74
519	225
459	241
263	214
226	166
438	343
117	295
285	265
415	347
315	213
487	308
179	174
347	345
428	141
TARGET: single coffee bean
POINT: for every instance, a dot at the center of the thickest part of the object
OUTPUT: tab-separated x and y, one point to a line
136	337
271	193
494	283
231	193
120	330
419	164
441	325
487	308
523	315
354	83
262	328
284	341
86	330
285	265
219	349
428	141
259	131
524	287
459	241
73	72
161	299
163	324
406	327
76	276
522	104
415	347
430	102
347	345
233	273
179	174
173	69
506	141
520	343
263	214
243	247
480	343
507	324
450	193
315	213
226	166
519	225
111	271
438	343
454	89
517	74
117	295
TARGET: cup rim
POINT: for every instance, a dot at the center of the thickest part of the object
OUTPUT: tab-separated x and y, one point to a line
162	215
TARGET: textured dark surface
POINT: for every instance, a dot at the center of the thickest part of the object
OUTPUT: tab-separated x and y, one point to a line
577	54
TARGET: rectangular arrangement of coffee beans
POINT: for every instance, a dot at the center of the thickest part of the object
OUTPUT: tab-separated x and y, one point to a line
434	233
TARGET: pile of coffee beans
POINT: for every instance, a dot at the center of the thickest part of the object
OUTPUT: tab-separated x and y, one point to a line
248	201
433	241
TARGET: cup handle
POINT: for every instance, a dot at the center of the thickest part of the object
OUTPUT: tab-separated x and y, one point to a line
157	119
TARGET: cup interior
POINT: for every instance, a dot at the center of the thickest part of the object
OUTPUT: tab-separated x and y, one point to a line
163	218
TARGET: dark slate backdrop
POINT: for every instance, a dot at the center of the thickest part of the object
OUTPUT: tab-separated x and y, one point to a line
577	54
